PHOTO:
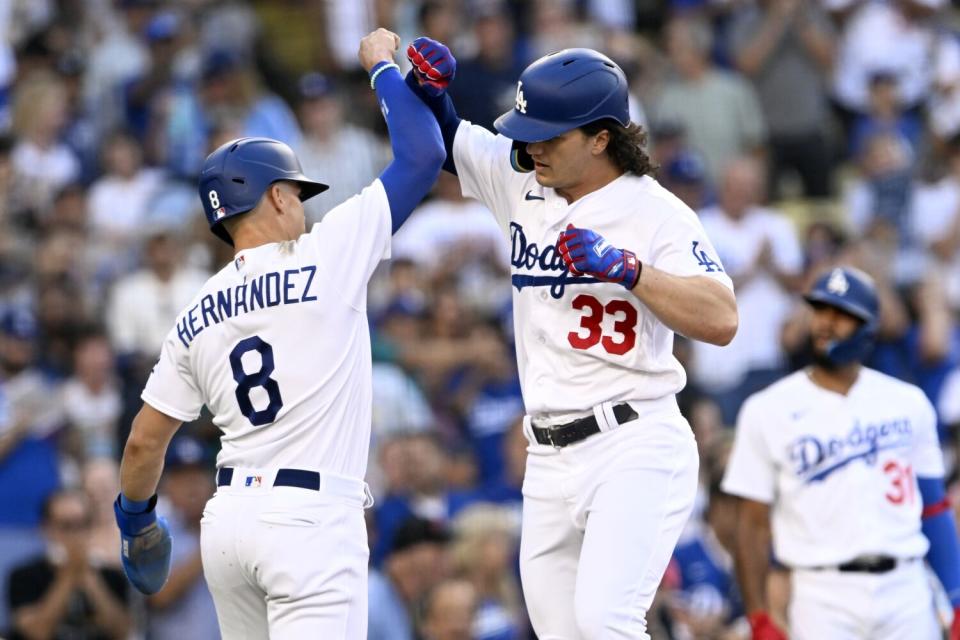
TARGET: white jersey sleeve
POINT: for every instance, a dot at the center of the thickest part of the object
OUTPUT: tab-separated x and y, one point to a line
172	388
483	165
352	239
926	456
682	248
751	470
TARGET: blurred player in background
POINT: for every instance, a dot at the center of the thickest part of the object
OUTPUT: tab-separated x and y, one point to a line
841	466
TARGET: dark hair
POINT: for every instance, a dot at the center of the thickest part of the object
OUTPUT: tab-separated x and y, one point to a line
626	146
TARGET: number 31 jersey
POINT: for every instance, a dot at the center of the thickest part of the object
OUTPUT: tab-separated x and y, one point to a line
277	346
581	342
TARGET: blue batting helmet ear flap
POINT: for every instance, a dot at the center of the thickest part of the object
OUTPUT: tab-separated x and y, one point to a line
235	177
562	91
853	292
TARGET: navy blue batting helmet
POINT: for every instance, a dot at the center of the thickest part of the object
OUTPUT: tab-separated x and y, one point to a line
851	291
562	91
235	177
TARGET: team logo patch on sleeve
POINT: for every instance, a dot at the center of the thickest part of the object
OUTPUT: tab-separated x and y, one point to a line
704	260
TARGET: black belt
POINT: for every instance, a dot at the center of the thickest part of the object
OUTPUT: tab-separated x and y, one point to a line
562	435
285	478
867	564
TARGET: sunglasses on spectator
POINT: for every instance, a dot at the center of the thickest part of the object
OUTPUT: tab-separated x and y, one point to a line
73	524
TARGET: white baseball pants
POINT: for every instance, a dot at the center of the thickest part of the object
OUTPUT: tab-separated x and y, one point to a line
829	605
600	520
287	563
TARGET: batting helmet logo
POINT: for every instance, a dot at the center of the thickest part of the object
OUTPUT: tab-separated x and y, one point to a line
521	101
837	283
853	292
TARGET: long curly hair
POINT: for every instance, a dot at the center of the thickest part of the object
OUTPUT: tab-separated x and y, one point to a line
627	145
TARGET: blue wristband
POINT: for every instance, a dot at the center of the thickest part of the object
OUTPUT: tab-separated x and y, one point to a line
134	506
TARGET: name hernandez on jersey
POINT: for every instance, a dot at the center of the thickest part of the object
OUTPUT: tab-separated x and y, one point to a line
581	341
292	286
840	472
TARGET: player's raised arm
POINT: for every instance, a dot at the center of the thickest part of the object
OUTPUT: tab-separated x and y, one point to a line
418	151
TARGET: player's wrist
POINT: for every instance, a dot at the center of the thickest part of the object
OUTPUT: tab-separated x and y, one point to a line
379	69
632	267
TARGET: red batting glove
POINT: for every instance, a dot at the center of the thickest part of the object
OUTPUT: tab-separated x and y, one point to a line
433	64
955	625
763	628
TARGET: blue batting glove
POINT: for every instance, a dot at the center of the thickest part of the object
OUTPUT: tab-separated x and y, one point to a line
145	545
585	252
433	65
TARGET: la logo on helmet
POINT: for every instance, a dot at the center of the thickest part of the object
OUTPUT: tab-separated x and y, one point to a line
521	101
838	283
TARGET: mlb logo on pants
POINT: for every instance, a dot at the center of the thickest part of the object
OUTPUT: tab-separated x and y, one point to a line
253	481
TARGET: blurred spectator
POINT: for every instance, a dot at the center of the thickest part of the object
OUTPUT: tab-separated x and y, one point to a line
944	110
885	115
448	613
484	553
119	199
116	54
786	47
440	20
935	222
100	480
759	249
143	305
557	28
685	176
488	397
488	79
426	494
417	561
183	608
42	163
62	594
735	126
332	150
456	239
166	66
80	130
897	37
877	201
91	398
227	95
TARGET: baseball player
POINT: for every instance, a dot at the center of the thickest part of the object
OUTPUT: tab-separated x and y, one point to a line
842	465
612	465
276	345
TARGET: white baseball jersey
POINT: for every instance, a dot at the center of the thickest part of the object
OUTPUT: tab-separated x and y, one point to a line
840	472
277	346
580	341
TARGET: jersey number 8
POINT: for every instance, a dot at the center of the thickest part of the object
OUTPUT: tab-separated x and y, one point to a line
248	381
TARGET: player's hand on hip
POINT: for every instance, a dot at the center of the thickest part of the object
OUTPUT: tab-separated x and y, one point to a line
433	64
585	252
145	547
762	627
378	46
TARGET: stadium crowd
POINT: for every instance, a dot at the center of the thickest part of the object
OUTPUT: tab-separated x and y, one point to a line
805	133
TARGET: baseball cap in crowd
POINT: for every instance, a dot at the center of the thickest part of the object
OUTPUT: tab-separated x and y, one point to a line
415	530
163	26
220	62
687	168
314	85
185	451
18	323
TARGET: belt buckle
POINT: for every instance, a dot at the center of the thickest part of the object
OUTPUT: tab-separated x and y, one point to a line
550	440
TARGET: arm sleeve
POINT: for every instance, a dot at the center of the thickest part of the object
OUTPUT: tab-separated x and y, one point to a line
352	239
681	248
416	142
172	388
751	472
941	530
445	113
